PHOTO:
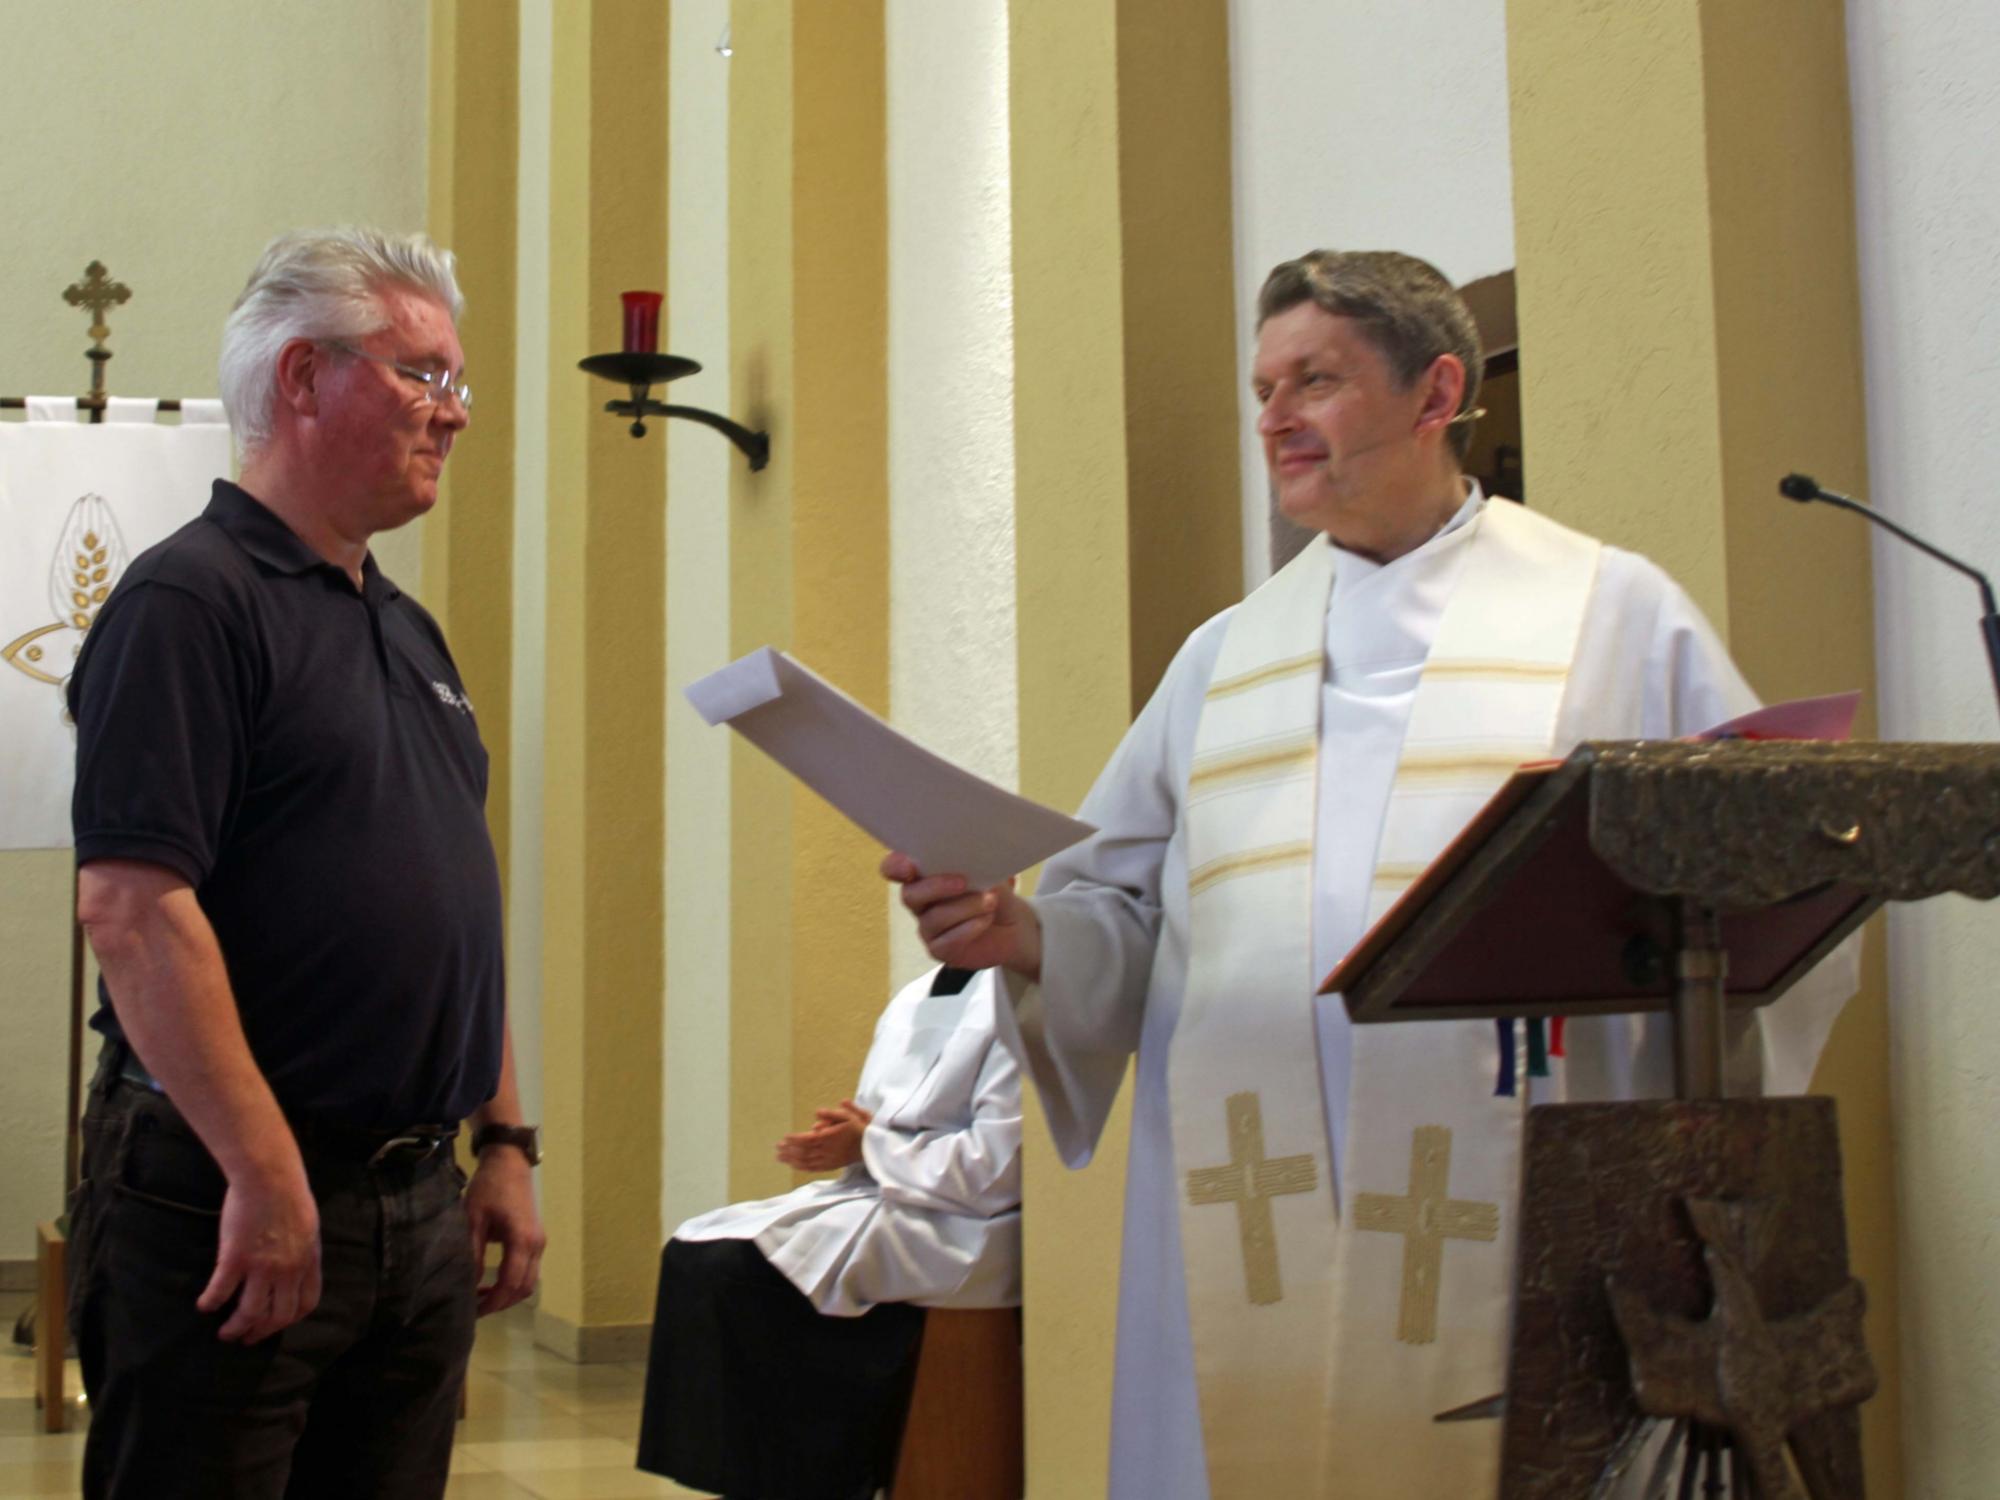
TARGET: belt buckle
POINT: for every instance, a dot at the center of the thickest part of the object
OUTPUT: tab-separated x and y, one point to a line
132	1071
429	1141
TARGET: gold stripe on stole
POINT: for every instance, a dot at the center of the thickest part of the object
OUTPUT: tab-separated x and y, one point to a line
1467	670
1457	762
1276	671
1290	755
1248	862
1400	876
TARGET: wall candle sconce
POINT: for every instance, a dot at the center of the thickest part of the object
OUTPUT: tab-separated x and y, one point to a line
639	367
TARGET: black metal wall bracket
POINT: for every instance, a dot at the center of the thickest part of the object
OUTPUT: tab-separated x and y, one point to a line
639	373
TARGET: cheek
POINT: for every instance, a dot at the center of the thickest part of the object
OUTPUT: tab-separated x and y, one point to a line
1349	428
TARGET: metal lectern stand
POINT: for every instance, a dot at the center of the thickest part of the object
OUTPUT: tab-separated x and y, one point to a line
1684	1261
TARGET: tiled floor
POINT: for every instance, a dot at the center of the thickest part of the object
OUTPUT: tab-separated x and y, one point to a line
539	1428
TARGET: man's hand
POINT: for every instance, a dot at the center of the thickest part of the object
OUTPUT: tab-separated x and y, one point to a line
164	972
268	1258
833	1142
500	1205
965	928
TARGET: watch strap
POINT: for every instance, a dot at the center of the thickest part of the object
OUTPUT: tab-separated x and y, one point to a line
527	1139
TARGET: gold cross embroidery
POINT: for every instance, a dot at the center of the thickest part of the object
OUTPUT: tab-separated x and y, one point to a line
1425	1218
1250	1181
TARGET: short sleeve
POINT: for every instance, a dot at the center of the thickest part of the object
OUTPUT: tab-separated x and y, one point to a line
162	702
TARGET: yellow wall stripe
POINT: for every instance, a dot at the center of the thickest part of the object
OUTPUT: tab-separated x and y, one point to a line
468	568
809	545
603	805
761	802
839	428
1124	321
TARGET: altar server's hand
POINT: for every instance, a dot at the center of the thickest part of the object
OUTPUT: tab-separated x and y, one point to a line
965	928
833	1142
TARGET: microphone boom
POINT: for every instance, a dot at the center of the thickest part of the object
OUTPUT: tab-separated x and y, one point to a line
1803	487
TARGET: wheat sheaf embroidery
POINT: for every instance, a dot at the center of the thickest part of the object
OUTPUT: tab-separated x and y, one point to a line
90	554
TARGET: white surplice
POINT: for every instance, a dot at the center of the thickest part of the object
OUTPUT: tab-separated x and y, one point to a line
932	1212
1115	928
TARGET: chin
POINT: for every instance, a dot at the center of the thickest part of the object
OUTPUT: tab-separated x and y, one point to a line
414	507
1314	511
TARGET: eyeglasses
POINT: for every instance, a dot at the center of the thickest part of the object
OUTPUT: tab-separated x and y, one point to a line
437	385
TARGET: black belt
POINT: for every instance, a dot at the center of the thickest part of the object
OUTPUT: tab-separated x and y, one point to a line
343	1143
406	1147
130	1071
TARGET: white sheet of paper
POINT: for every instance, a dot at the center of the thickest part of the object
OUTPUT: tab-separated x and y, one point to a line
946	819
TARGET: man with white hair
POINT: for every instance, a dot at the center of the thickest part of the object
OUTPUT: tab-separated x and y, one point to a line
284	870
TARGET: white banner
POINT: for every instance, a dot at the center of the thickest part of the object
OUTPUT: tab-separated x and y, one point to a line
77	504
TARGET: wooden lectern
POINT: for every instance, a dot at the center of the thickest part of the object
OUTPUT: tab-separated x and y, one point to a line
1681	1261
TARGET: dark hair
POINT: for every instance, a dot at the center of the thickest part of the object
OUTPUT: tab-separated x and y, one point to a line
1406	307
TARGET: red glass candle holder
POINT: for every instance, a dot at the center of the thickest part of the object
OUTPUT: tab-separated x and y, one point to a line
642	321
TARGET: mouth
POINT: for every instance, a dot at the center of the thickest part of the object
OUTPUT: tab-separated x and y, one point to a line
1300	461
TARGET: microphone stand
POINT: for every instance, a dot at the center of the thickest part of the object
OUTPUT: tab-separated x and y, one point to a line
1804	488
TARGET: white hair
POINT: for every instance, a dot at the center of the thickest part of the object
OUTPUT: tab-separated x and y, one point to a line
318	284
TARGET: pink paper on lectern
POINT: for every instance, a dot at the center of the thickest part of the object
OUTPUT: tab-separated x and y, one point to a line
1827	718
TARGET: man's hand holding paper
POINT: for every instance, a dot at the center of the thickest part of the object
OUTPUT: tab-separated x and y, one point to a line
965	927
942	818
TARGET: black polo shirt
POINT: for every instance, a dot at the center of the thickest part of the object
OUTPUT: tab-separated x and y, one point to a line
306	757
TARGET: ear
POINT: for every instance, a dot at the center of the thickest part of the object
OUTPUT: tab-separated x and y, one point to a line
299	369
1443	388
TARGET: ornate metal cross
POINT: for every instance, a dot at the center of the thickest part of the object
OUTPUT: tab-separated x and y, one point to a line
1250	1181
1426	1218
97	293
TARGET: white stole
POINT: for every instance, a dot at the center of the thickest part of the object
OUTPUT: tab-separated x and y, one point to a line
1320	1337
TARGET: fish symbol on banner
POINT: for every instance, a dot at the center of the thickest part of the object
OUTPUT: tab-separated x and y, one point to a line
89	556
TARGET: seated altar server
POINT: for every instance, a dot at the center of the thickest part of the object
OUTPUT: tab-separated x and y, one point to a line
786	1333
1319	1220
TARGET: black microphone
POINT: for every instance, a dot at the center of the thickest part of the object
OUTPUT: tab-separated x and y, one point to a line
1803	487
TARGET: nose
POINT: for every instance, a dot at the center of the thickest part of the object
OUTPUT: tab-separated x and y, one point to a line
451	412
1276	417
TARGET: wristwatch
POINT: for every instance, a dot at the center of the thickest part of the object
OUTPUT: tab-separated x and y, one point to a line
525	1138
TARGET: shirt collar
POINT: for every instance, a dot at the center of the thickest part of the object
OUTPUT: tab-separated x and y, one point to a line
1351	567
1474	499
262	532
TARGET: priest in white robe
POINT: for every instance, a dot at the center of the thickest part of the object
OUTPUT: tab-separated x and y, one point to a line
786	1331
1319	1222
